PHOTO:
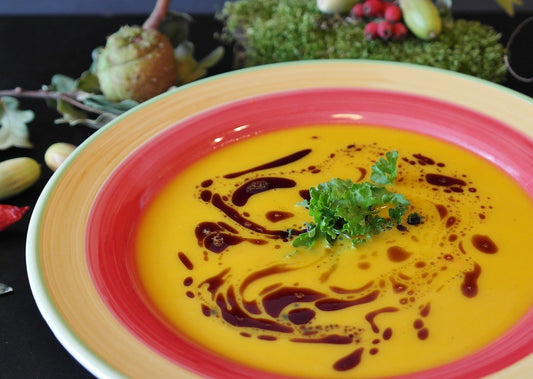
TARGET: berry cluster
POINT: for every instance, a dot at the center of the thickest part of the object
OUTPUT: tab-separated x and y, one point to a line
384	19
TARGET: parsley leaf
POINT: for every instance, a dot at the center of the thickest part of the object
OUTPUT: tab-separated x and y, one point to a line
342	209
384	171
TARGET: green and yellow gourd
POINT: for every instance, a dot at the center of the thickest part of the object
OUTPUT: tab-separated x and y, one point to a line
422	18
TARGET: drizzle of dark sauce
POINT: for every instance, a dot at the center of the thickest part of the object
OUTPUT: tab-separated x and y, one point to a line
450	221
397	287
218	242
304	194
330	304
214	238
266	338
241	220
442	210
252	187
469	286
350	361
362	173
273	270
270	288
397	254
276	301
276	163
206	195
300	316
340	290
275	216
444	181
424	312
370	317
227	227
423	160
423	334
215	282
418	324
484	244
206	183
206	311
333	339
185	260
251	306
387	334
233	314
204	229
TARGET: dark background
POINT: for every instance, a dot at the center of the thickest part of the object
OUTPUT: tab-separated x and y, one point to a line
32	50
111	7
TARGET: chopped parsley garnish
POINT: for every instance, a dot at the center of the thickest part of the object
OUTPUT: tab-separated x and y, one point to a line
342	209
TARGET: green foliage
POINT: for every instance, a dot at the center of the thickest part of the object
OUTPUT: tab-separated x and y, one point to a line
80	100
86	92
342	209
13	124
268	31
176	26
384	171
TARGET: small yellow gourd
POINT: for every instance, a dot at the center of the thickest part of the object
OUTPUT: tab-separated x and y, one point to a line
17	175
57	153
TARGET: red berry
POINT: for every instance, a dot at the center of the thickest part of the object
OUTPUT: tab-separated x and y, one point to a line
384	5
393	13
384	29
371	30
371	8
357	10
399	31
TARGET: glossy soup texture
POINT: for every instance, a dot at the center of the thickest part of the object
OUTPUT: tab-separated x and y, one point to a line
216	259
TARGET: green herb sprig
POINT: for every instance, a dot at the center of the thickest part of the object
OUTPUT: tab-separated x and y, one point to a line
342	209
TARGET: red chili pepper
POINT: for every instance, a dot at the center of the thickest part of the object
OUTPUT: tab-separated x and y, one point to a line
9	214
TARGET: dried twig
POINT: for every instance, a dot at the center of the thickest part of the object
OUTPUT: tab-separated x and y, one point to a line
157	15
71	98
507	51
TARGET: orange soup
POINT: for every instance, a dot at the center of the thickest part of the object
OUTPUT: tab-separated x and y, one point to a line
215	256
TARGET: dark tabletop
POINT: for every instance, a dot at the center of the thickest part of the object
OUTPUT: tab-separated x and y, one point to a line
32	50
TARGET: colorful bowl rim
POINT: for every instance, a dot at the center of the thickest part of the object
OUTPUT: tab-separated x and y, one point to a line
63	332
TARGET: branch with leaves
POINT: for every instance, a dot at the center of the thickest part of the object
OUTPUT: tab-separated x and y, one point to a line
86	101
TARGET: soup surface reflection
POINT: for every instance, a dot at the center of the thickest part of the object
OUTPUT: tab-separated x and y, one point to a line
215	256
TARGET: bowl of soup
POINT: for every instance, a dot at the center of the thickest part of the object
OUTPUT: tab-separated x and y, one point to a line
165	245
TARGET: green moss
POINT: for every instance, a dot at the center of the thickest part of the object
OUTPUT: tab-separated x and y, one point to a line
268	31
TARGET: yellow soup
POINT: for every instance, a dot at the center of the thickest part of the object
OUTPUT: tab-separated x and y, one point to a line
216	258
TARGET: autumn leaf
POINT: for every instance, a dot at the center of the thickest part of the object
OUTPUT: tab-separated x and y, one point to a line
13	124
508	5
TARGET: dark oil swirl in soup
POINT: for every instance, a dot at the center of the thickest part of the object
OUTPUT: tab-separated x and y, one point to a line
291	311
